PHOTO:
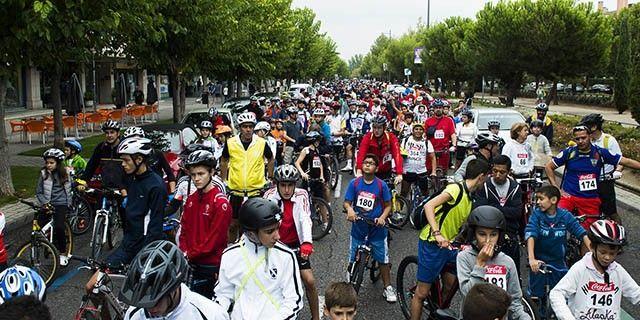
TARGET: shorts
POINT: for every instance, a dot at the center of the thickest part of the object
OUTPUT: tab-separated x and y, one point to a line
581	206
607	192
379	249
421	178
317	188
538	280
236	203
461	153
442	160
432	259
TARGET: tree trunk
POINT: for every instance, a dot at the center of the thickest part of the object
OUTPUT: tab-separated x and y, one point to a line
493	83
238	87
553	94
512	91
183	101
6	184
175	92
58	129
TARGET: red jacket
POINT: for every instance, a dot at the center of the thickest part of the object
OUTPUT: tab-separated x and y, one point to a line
204	224
3	250
386	148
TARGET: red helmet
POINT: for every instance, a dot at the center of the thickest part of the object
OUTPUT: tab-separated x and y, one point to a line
607	232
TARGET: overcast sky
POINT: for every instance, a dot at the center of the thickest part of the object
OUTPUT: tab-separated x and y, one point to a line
355	24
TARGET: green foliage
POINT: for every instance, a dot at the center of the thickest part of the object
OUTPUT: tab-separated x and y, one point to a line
626	61
24	179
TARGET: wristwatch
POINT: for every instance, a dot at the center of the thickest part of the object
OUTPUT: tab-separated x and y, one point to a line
437	233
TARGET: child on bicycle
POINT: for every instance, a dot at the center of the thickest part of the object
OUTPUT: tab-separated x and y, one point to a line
445	213
546	236
340	300
54	191
418	150
485	301
311	167
368	196
74	162
594	286
483	261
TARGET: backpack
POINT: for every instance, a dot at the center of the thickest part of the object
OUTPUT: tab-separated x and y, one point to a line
418	217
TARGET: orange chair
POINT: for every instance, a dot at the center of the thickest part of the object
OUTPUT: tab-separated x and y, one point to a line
17	126
104	112
49	125
116	114
68	123
36	126
154	109
94	118
136	112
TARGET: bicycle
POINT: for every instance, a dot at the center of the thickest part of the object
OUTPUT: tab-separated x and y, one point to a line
81	214
400	211
107	221
320	226
437	299
574	245
102	293
543	308
529	185
363	259
39	253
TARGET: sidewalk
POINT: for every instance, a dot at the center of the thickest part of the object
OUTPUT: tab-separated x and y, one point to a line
569	108
18	214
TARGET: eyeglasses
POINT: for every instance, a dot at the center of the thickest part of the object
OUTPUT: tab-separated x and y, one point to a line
371	163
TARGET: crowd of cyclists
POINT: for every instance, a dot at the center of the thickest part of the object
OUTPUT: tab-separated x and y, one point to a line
244	245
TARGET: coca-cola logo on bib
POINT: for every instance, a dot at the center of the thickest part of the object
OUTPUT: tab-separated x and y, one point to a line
600	287
522	155
496	269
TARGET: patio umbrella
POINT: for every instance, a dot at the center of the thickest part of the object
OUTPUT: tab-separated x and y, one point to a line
121	95
76	100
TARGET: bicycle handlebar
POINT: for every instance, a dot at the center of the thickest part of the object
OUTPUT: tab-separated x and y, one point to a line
99	265
372	223
548	269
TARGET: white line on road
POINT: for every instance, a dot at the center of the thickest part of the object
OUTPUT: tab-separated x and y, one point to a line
336	193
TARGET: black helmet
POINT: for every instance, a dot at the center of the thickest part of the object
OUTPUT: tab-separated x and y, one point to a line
258	213
487	138
593	119
487	217
379	120
467	113
537	123
542	107
193	147
312	136
111	124
200	158
156	271
493	123
287	173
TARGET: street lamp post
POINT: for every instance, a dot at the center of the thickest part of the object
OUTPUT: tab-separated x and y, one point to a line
428	12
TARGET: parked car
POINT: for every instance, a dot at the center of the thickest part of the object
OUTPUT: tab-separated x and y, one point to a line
194	118
601	88
296	88
233	102
507	118
569	88
175	138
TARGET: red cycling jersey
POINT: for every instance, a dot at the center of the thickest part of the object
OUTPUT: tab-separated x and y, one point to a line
203	226
386	148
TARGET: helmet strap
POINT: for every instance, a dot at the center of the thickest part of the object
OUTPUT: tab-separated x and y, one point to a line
604	270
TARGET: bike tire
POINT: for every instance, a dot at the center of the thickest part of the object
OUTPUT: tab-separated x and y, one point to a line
114	234
400	212
81	216
318	231
358	271
374	271
530	307
68	232
41	256
334	173
406	284
96	238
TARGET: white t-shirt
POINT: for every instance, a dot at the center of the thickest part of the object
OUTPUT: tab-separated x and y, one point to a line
521	155
192	306
335	124
416	161
611	145
466	134
183	190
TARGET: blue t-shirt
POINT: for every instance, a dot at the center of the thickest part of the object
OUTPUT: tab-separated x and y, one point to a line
550	234
326	131
583	169
365	200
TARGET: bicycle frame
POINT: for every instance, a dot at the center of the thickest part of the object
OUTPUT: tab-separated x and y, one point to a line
102	292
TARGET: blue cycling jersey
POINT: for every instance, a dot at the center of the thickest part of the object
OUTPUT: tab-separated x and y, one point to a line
584	169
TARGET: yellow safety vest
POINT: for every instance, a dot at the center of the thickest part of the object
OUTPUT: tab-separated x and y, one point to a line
246	167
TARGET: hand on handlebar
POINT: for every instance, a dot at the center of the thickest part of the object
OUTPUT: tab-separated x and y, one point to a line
351	215
442	241
535	265
304	176
398	179
616	175
380	222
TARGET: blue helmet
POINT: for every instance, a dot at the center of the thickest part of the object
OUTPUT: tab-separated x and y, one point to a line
20	281
73	145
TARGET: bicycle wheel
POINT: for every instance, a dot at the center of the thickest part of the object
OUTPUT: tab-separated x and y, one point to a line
68	233
406	285
97	240
318	227
41	256
374	271
400	212
114	236
530	307
357	270
333	173
81	215
87	313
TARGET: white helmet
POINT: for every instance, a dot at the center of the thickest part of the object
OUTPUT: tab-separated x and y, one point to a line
318	112
247	117
135	145
54	153
134	131
206	124
262	125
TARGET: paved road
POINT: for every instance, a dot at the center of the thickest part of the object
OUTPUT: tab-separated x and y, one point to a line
329	262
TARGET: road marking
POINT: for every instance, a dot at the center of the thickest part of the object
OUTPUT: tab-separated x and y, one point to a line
321	305
61	280
336	193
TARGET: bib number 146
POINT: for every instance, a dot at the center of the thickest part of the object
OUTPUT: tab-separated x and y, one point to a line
603	300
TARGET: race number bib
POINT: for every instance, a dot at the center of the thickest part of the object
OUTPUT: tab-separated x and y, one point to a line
496	274
602	300
358	123
522	158
316	162
439	134
365	201
387	158
587	182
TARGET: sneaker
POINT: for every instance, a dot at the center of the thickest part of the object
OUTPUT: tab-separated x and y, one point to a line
64	260
389	293
347	168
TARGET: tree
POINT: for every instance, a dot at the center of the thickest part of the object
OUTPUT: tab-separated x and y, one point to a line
354	65
631	38
623	56
372	63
